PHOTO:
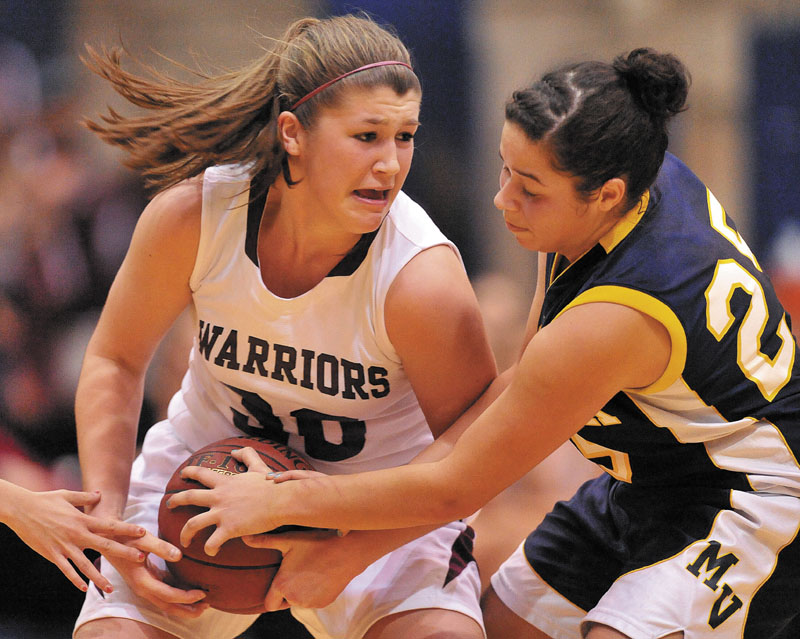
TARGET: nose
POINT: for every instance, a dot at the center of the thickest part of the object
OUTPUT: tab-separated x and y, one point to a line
502	199
387	162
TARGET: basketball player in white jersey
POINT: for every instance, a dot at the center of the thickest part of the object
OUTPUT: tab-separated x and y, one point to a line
331	315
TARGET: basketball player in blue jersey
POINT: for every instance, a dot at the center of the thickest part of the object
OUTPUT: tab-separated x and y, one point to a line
656	344
331	313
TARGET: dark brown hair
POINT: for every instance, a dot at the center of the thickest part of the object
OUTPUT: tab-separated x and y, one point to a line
602	120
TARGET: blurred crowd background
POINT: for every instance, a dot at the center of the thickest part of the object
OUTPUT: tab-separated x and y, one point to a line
67	206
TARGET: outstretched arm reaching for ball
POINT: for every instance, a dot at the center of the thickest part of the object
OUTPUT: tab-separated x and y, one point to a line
555	389
53	525
231	501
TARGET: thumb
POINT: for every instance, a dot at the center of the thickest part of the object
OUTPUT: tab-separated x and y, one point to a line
274	599
284	541
267	540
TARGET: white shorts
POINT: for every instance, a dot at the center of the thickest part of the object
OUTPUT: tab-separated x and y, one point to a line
434	571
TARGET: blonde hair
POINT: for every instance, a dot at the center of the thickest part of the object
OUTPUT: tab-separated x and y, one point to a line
232	117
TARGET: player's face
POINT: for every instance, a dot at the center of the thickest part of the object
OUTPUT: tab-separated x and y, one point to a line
358	154
541	205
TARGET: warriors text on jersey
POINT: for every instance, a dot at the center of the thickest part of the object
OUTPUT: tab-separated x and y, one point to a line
318	371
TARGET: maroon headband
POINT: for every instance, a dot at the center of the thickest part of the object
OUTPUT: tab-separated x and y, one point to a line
308	96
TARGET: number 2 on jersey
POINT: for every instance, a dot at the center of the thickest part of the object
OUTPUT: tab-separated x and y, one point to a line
770	374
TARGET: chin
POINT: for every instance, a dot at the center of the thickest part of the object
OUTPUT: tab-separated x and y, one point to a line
527	243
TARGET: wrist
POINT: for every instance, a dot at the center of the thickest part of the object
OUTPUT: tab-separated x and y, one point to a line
106	508
10	497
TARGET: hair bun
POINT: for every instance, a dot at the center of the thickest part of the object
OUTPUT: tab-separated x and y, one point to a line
658	81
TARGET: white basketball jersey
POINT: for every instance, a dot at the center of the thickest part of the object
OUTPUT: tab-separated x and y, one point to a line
318	371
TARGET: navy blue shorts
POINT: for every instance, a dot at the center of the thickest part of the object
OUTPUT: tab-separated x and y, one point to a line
706	561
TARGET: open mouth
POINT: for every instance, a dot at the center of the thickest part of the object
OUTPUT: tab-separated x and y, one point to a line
374	195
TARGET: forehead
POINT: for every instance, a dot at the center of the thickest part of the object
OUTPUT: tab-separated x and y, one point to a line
375	104
522	154
514	142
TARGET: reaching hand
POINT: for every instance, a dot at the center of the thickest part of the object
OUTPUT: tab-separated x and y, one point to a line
52	524
237	504
152	583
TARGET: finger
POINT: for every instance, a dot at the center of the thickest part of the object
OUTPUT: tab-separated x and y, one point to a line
115	528
170	595
175	604
274	600
69	572
192	497
194	525
205	476
79	498
185	611
88	568
150	583
249	456
111	548
215	541
289	475
265	540
152	544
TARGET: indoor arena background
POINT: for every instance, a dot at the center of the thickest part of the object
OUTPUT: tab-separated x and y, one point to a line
67	208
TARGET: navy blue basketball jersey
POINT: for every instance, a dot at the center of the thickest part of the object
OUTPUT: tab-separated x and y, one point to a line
726	412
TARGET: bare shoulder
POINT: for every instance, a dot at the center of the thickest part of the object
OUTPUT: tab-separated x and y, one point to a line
178	205
433	282
430	273
432	306
171	221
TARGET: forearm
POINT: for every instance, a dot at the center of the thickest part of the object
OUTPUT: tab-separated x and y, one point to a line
399	497
427	492
336	501
107	407
371	545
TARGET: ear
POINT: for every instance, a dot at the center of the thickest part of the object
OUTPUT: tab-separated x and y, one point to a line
290	131
612	194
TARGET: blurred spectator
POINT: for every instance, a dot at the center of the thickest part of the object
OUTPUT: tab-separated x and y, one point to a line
64	227
65	223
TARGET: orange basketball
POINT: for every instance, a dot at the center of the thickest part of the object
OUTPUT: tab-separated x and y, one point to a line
237	579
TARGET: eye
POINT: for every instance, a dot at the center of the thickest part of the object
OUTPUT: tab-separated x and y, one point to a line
528	194
405	137
366	137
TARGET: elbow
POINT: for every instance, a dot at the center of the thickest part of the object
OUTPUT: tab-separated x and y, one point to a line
452	502
459	509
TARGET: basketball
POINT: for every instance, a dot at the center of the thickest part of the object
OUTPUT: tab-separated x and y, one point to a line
237	579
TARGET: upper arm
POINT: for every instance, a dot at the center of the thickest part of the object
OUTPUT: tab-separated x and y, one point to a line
570	369
151	288
435	324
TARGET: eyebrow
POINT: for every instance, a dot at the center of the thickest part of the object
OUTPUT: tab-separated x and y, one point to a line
376	121
530	176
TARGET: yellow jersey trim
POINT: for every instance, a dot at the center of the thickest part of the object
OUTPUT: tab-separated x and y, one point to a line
610	240
652	307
